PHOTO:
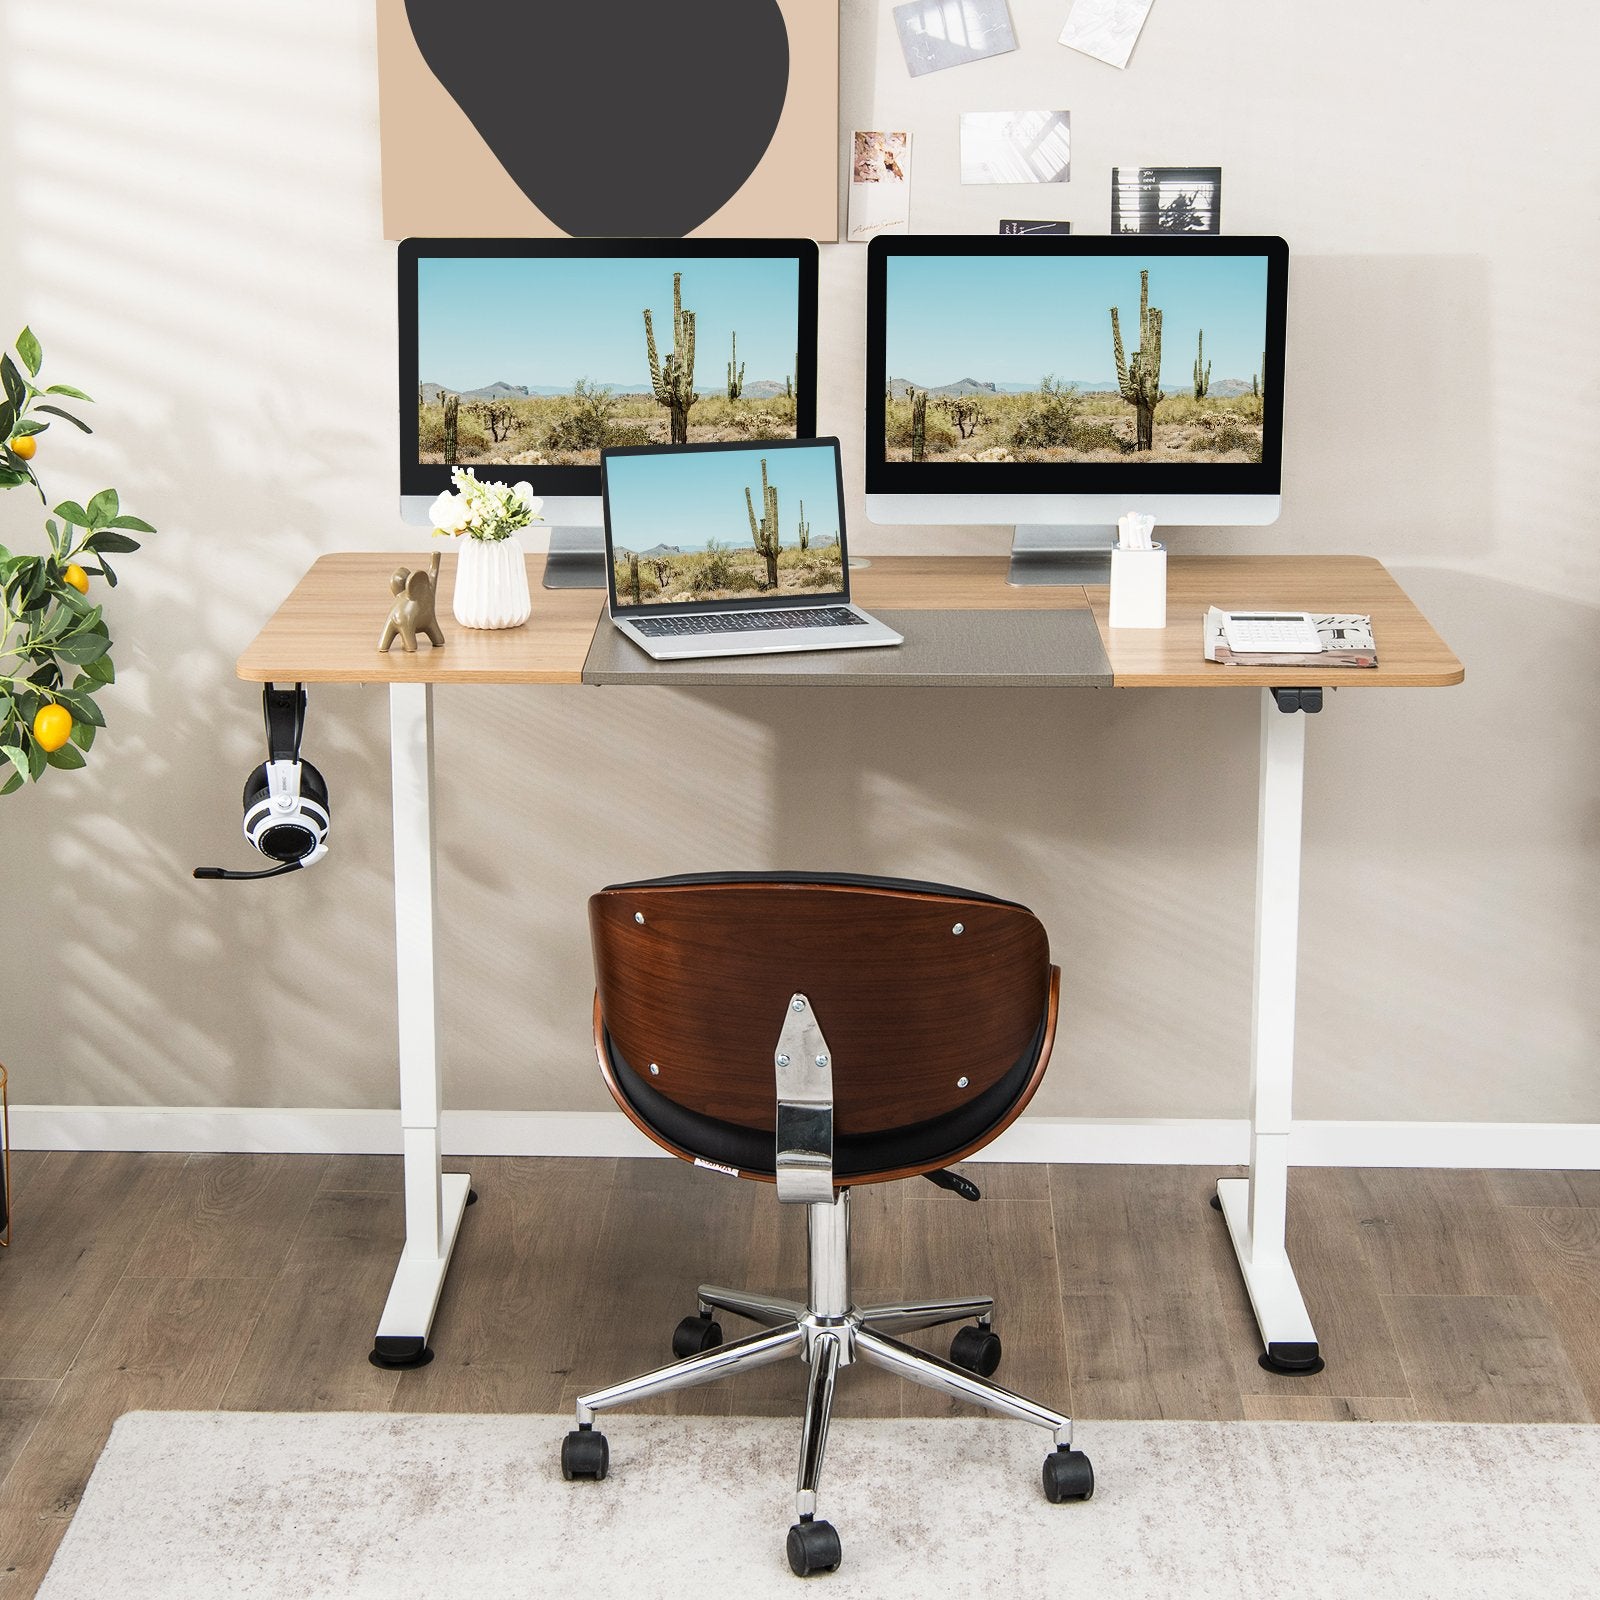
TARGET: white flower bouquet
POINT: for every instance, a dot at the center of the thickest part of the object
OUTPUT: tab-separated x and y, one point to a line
487	511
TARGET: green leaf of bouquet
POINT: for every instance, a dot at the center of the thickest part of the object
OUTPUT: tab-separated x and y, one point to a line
71	511
83	734
68	757
12	784
81	706
17	758
83	648
99	671
27	426
11	380
116	543
28	349
133	524
11	476
36	759
106	572
70	392
103	507
66	416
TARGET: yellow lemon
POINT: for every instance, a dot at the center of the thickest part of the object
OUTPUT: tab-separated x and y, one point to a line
77	577
24	447
52	727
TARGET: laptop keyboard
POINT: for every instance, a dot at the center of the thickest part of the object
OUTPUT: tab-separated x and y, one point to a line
748	621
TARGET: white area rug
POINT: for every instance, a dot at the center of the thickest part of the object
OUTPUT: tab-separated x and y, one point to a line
210	1504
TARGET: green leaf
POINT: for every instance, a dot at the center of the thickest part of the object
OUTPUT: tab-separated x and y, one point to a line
99	671
116	543
17	758
83	734
135	524
83	648
83	709
107	573
28	349
68	758
36	759
11	380
12	784
27	426
10	477
8	418
70	392
66	416
103	508
71	511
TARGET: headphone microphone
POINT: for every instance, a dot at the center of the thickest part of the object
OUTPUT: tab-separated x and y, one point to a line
286	809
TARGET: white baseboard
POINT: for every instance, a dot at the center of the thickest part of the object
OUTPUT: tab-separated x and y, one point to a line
1137	1141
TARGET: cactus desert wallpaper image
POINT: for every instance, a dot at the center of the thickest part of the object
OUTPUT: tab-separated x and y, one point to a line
547	362
1102	359
724	525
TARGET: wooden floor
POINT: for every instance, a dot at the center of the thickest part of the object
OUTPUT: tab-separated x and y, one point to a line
253	1282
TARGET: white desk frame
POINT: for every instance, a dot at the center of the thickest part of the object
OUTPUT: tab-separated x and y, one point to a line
1255	1207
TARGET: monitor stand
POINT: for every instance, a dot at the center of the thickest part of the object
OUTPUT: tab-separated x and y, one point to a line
577	559
1078	553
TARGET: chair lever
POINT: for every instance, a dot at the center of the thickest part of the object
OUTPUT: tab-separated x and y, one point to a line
955	1183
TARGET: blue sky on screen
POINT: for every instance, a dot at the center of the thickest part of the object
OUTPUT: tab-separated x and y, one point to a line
686	499
1010	320
547	323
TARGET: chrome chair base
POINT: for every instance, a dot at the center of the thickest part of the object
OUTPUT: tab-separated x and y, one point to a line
829	1333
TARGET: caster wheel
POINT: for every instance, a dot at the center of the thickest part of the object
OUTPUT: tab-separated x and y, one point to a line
585	1454
472	1197
694	1336
976	1349
1216	1202
813	1547
1067	1476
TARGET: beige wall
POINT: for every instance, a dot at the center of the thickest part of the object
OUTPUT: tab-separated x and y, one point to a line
190	204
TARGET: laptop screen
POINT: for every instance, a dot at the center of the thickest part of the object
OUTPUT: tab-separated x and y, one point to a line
725	525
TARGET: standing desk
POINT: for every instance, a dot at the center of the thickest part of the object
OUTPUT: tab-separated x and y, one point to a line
326	632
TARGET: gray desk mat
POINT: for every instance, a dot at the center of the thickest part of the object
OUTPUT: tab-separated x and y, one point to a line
942	649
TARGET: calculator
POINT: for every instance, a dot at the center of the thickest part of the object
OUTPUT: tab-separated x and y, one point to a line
1271	633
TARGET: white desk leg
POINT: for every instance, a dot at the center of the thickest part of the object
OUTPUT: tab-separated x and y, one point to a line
434	1200
1255	1207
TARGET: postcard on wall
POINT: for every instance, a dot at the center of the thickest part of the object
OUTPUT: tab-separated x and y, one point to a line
880	185
1013	225
1105	29
1016	146
1166	199
935	34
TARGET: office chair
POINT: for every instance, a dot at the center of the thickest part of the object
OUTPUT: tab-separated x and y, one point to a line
821	1032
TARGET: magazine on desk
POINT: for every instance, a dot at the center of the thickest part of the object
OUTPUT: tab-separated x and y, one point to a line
1346	642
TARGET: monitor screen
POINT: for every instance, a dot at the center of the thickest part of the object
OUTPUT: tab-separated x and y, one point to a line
534	355
732	524
1075	364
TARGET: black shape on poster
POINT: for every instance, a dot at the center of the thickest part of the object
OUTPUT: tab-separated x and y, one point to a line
1020	225
626	119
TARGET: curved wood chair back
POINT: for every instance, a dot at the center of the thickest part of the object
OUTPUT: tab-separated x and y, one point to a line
927	996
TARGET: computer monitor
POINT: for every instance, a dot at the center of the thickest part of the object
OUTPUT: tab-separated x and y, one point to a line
524	358
1057	383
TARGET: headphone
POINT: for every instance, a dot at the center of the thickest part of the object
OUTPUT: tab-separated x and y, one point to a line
286	809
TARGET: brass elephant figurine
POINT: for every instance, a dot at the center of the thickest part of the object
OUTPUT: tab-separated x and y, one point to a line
413	613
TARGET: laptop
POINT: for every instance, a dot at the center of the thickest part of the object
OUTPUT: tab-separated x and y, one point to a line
731	550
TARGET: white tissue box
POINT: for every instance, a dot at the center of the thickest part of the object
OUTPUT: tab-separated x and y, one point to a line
1139	587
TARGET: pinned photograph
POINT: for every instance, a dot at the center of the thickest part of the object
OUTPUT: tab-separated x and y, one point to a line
1166	199
880	185
935	34
1105	29
1017	225
1016	146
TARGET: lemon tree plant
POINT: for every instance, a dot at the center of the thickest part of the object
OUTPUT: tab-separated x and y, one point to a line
50	629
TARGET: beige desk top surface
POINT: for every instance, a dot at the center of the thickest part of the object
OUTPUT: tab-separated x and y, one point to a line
327	630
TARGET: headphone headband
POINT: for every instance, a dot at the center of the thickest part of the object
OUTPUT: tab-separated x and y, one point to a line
284	711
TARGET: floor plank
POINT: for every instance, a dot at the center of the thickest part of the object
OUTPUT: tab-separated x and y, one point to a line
310	1346
228	1216
86	1213
1329	1408
1485	1358
1560	1247
23	1402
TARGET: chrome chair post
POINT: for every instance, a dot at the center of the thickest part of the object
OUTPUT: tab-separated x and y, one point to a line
828	1234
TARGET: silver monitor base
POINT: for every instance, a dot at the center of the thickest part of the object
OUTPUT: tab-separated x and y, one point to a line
1061	556
577	559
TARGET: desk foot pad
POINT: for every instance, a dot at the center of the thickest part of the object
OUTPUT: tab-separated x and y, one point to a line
400	1352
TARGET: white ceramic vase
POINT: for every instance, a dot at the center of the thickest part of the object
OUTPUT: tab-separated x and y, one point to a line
491	584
